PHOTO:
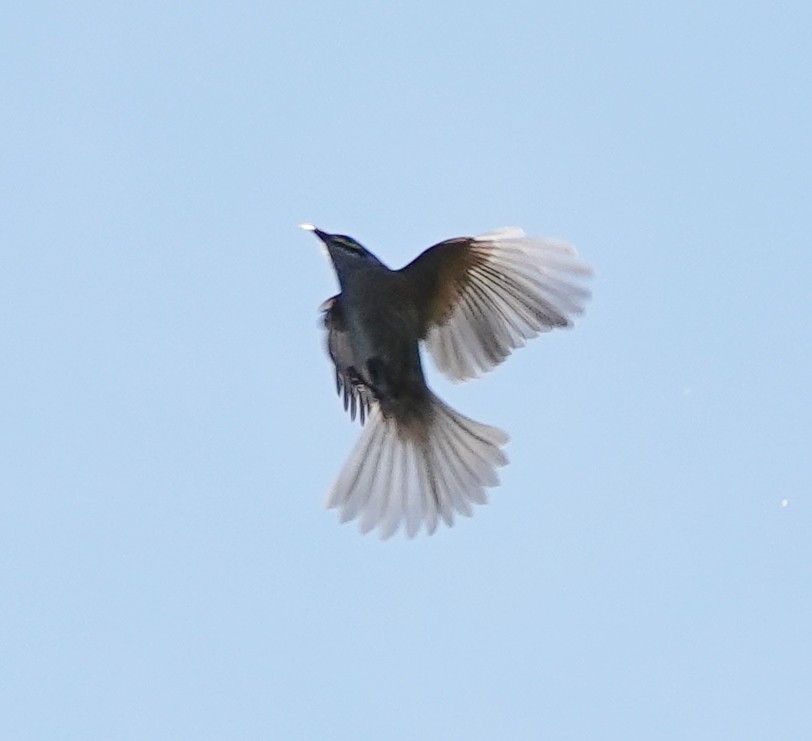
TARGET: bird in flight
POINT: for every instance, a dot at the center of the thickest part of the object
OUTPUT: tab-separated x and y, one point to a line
470	301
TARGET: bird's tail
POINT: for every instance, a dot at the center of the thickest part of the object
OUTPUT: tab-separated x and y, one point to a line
419	472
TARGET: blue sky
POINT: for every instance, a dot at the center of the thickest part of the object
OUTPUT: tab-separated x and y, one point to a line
169	420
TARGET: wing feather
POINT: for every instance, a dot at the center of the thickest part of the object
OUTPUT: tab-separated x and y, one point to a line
482	297
355	395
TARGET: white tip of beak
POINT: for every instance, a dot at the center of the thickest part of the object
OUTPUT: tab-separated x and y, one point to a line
307	227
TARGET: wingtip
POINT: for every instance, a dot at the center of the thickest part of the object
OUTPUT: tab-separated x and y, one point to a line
307	227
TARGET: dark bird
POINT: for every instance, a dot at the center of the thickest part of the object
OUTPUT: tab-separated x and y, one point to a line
471	301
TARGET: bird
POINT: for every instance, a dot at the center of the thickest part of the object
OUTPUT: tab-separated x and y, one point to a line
469	301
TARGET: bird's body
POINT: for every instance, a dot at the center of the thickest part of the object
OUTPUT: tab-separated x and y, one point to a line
385	335
471	300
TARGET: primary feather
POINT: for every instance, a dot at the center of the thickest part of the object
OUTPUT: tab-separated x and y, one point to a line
492	293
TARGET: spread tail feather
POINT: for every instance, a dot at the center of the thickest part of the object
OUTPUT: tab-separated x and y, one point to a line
417	474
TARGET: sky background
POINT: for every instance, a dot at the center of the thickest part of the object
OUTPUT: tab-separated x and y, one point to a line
169	423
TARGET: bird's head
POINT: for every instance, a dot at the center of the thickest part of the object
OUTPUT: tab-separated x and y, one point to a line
348	256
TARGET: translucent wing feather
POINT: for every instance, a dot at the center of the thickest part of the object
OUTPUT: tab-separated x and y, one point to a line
482	297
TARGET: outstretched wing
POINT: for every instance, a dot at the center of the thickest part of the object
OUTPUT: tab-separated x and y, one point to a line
481	297
356	395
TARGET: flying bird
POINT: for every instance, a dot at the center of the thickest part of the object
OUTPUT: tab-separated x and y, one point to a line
470	301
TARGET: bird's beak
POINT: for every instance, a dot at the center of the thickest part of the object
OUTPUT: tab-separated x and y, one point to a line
323	236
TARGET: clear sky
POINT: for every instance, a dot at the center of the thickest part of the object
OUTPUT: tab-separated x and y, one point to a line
169	423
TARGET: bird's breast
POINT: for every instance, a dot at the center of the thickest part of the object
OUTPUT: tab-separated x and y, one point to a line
383	330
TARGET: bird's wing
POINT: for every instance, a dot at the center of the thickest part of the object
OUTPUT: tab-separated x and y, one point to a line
356	395
481	297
